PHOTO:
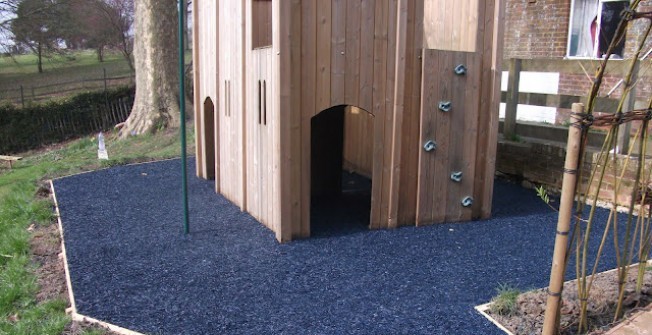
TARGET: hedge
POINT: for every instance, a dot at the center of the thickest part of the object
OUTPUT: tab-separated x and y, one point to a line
31	127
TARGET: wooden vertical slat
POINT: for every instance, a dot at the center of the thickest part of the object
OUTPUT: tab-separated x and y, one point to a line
398	110
443	131
388	112
196	49
367	26
295	119
471	96
308	101
459	115
379	82
338	51
491	39
429	121
323	89
283	39
409	171
216	93
352	53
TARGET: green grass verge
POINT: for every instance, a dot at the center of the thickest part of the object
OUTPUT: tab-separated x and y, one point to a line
504	303
20	313
22	69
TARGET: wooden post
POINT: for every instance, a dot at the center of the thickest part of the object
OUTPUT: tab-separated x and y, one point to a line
555	287
509	129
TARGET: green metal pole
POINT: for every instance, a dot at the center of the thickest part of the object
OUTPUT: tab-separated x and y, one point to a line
182	109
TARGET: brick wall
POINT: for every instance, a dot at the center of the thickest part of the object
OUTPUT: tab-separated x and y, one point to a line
536	29
542	163
539	28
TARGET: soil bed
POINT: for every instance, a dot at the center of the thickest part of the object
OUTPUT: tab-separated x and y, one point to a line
528	318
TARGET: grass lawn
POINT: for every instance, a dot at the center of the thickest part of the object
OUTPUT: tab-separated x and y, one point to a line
20	312
22	69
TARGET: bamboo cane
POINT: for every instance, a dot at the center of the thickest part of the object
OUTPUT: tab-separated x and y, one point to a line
555	287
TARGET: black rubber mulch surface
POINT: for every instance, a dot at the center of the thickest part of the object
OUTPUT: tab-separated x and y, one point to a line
131	265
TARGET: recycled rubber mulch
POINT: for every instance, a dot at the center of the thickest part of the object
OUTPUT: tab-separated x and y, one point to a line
131	265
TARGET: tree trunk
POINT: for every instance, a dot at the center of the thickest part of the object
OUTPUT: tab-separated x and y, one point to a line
156	105
39	54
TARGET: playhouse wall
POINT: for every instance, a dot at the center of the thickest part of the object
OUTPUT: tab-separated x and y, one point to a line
378	57
231	105
369	54
261	126
205	75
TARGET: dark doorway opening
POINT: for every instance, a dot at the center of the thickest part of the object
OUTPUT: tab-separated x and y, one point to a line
209	138
340	201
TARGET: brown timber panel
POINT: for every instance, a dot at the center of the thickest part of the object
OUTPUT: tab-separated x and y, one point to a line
230	111
454	132
338	51
307	92
381	29
298	229
260	143
196	52
410	145
431	201
491	17
367	25
324	45
451	24
352	53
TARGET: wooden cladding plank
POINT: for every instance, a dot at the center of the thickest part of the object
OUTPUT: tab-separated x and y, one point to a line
398	109
379	82
451	24
323	89
410	145
492	34
367	26
308	101
428	132
388	115
352	53
197	89
338	51
298	230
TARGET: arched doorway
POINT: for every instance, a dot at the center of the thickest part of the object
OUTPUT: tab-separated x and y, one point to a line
209	138
341	170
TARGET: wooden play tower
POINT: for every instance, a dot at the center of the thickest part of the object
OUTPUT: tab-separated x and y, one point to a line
406	92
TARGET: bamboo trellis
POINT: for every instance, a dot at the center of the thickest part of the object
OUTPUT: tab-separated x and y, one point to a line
637	227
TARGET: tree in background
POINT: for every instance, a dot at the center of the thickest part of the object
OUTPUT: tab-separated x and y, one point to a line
156	104
8	10
39	26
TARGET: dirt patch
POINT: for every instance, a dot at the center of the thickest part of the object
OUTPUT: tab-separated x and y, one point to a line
51	277
528	319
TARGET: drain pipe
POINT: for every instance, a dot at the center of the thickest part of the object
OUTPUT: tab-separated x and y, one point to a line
182	110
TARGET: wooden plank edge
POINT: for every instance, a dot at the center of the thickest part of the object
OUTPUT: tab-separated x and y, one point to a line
116	329
482	309
71	296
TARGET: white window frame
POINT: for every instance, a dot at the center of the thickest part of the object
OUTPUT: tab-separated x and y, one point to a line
596	42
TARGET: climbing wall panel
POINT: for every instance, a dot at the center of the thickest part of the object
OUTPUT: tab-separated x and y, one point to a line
450	111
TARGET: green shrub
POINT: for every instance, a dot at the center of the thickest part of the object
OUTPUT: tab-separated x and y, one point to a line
27	128
505	302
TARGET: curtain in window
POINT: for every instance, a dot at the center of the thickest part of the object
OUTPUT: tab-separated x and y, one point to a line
585	12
